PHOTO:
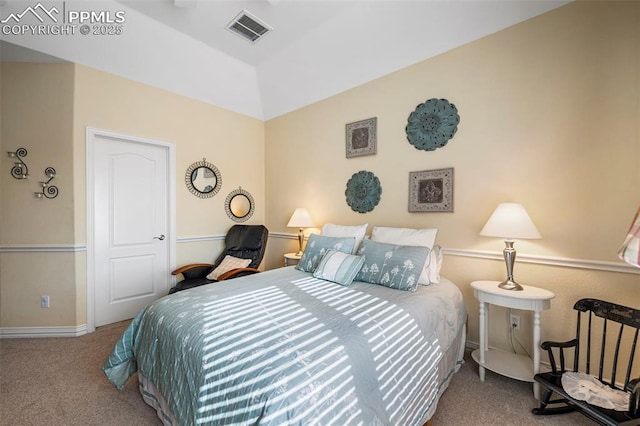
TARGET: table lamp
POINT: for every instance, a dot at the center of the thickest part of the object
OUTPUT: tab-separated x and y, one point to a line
300	219
509	221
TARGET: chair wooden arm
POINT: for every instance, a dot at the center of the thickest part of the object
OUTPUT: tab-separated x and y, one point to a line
568	344
561	346
194	268
237	273
634	398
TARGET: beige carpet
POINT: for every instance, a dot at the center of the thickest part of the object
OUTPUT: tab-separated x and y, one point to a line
59	382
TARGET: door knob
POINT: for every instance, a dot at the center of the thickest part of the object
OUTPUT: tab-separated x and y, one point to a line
161	237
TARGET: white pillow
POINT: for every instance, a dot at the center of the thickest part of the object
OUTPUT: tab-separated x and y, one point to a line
357	231
405	236
433	265
227	264
425	237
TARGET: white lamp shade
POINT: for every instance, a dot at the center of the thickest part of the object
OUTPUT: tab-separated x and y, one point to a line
509	221
300	219
630	250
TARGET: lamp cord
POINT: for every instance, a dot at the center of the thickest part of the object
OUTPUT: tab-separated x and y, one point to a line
513	337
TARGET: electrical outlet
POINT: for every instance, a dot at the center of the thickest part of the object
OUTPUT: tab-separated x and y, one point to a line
44	301
514	320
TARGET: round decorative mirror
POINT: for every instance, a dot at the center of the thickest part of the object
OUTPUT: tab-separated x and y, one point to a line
239	205
203	179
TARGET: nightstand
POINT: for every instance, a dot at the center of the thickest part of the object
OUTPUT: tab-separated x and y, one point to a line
505	363
291	259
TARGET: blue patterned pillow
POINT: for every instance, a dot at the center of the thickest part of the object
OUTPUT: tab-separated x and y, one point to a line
338	267
318	245
391	265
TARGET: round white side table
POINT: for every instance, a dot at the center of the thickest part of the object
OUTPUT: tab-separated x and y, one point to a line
291	259
505	363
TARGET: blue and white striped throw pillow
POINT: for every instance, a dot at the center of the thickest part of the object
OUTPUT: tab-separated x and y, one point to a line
338	267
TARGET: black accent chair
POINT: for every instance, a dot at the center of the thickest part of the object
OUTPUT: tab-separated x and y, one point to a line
243	241
606	337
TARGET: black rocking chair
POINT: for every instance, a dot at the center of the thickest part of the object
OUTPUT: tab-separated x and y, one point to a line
606	337
241	241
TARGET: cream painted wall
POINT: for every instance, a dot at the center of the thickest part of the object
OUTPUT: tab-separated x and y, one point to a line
37	106
550	117
232	142
46	109
37	102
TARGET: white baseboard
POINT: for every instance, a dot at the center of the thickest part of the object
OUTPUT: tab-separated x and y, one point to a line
29	332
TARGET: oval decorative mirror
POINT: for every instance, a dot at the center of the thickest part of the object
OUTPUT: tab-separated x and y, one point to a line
239	205
203	179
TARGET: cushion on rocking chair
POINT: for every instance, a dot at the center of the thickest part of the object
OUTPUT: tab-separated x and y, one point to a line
585	387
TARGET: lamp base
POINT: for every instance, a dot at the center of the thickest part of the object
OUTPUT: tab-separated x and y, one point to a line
300	240
509	259
510	285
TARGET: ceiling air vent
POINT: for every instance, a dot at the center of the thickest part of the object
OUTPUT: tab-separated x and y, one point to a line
248	27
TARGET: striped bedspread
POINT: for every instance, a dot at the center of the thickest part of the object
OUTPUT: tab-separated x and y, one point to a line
282	347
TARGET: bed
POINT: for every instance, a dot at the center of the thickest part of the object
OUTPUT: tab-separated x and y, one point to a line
284	347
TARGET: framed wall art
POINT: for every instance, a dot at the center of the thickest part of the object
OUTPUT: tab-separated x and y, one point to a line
361	138
431	191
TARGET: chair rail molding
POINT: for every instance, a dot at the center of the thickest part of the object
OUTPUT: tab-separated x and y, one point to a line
200	238
598	265
42	248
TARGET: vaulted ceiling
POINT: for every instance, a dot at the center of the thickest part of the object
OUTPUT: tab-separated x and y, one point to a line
315	48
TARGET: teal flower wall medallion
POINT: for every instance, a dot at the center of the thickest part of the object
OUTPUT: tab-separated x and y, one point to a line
363	191
432	124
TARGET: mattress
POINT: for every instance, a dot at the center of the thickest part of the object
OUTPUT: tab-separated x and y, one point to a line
283	347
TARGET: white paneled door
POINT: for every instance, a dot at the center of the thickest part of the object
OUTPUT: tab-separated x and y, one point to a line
130	249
